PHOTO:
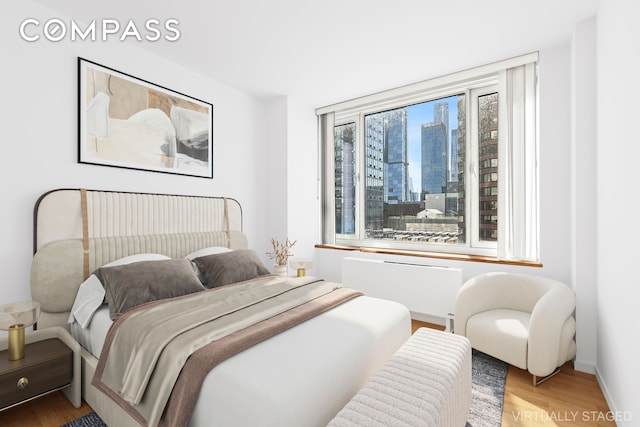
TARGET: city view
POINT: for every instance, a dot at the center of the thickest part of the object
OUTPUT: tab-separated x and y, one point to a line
414	172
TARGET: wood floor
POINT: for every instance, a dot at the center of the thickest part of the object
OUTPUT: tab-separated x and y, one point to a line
571	398
51	410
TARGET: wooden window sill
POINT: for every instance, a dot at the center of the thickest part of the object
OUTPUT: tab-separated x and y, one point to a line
437	255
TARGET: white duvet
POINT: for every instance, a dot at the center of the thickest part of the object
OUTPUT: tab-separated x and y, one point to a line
301	377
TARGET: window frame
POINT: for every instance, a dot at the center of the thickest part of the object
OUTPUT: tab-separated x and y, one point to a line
472	176
476	82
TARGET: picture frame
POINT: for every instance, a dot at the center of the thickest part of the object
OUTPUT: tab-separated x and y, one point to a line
128	122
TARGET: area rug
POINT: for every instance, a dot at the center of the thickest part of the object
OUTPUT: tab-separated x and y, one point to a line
90	420
487	395
487	390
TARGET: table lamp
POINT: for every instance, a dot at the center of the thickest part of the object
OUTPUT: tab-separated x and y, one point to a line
14	318
301	265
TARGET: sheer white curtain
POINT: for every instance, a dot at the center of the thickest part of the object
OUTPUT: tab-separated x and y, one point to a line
326	123
519	195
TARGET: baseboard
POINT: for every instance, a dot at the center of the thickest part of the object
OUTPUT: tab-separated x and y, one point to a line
622	418
428	318
588	368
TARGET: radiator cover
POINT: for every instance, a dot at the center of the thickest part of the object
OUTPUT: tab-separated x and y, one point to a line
423	289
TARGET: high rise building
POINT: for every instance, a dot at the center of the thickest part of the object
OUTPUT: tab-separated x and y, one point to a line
374	172
434	158
396	172
441	114
453	156
345	188
461	151
488	165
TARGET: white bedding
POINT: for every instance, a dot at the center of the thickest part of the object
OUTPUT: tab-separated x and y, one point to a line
301	377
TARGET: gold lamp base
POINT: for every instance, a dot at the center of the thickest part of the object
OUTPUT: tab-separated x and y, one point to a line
301	265
14	318
16	341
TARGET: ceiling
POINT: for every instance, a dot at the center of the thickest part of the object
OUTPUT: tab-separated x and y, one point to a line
322	52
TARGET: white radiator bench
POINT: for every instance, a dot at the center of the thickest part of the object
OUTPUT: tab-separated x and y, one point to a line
427	382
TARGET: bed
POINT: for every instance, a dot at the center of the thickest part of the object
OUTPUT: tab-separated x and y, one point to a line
303	375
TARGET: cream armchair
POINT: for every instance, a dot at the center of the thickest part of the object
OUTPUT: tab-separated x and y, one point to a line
524	320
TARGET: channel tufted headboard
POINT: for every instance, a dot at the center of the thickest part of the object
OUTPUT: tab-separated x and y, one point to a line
77	231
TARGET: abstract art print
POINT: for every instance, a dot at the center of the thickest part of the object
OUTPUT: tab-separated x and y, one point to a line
131	123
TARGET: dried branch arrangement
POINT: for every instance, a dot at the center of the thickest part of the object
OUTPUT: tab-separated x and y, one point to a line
281	251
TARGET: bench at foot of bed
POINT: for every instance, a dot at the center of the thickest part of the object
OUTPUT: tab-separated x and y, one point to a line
427	382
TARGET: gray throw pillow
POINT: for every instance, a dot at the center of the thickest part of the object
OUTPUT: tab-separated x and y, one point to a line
230	267
128	286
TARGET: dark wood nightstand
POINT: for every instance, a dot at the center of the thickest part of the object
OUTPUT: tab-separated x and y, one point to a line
73	392
46	366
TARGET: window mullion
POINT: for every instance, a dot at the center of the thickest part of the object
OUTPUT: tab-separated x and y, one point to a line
473	187
361	177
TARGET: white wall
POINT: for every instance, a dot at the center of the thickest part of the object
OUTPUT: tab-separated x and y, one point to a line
583	185
39	137
276	196
292	195
617	232
292	175
303	185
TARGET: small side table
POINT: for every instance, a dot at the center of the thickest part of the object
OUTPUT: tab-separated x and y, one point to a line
51	363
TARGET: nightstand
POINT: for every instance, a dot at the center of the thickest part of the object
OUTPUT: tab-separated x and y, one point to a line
51	363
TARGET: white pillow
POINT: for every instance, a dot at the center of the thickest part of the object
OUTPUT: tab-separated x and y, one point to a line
135	258
207	251
91	294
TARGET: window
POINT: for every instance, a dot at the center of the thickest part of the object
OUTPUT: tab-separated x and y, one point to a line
446	165
344	178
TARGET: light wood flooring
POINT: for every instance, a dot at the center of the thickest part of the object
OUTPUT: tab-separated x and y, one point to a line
51	410
571	398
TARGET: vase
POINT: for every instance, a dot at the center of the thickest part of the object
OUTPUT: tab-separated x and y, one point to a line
280	270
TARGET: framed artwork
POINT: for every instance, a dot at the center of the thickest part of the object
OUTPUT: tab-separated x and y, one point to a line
128	122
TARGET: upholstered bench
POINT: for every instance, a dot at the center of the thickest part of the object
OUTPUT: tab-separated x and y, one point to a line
427	382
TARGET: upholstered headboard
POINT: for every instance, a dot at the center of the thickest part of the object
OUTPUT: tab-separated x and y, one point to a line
77	231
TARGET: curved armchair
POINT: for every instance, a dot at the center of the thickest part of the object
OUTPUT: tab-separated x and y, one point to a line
526	321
